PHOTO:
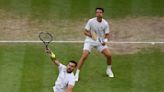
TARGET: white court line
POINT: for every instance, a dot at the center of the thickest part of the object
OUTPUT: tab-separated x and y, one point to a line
40	41
114	42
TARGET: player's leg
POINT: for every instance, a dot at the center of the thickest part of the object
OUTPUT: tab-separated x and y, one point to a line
80	63
86	50
84	56
106	52
108	56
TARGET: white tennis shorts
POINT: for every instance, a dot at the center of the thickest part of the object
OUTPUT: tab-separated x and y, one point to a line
89	45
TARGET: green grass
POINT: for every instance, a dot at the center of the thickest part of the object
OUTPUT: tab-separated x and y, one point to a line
81	9
26	68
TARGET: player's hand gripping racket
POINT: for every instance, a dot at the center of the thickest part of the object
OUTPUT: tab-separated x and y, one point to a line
100	40
46	38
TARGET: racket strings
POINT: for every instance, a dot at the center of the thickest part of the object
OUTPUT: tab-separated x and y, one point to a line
45	37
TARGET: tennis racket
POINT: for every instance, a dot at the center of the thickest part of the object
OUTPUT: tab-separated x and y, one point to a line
99	40
46	38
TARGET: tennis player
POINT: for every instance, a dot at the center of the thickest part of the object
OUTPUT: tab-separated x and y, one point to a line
97	35
66	79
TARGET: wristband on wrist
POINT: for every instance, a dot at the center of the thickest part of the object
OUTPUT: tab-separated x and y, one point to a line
105	40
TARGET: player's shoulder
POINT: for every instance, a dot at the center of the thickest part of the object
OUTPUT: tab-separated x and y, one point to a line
61	66
105	21
92	19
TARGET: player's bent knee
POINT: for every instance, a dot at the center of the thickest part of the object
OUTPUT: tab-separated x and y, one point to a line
107	53
86	53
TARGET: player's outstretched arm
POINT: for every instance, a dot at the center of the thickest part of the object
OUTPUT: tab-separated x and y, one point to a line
53	57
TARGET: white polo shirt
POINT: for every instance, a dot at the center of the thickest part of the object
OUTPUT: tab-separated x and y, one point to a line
100	28
64	79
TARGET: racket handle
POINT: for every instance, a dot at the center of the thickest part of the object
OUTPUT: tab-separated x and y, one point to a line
46	47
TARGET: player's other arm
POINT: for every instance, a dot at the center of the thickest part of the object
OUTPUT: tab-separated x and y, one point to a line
107	33
53	57
90	34
69	88
87	33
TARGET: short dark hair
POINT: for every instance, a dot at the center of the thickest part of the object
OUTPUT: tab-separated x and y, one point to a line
72	61
99	8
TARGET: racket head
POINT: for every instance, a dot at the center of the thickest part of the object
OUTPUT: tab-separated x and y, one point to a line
46	38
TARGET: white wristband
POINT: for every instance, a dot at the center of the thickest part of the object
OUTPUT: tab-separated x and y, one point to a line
106	40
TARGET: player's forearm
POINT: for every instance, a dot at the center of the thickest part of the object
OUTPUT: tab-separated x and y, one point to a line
107	36
87	33
53	58
56	62
68	90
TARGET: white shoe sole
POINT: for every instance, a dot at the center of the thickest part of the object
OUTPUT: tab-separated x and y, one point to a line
110	73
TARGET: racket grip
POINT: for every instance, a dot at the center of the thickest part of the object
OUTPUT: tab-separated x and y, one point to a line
46	47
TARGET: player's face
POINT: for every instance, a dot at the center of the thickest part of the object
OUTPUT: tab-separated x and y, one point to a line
99	13
70	67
